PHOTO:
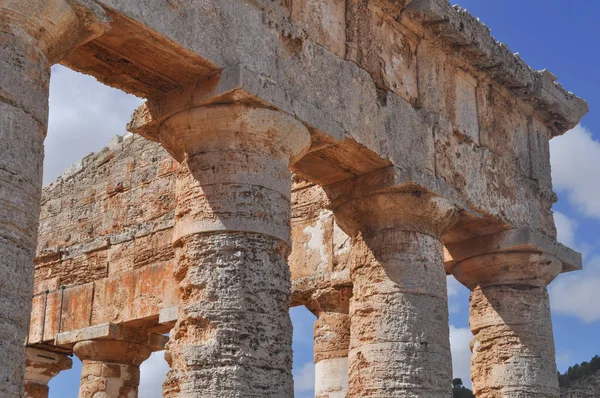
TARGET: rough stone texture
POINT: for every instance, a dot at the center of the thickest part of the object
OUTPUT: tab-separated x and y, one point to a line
294	53
399	343
232	236
30	42
331	341
106	235
110	367
513	344
40	367
403	98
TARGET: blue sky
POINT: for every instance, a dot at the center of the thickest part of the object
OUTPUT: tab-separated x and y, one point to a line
556	35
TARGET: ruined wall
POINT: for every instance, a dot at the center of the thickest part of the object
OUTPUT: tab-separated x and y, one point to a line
105	234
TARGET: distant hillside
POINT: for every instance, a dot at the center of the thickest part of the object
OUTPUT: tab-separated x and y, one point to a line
581	381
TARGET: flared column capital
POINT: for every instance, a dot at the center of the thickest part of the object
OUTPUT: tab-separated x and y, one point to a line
55	27
508	268
112	351
40	367
225	127
408	209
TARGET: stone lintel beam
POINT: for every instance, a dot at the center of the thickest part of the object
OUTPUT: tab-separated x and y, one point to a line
56	27
168	316
111	331
514	240
560	109
236	84
40	367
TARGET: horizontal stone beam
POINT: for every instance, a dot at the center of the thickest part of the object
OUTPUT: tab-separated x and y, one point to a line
110	331
468	35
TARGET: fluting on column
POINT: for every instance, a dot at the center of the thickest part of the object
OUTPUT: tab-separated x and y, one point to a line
111	368
513	344
40	367
34	34
399	340
232	238
331	340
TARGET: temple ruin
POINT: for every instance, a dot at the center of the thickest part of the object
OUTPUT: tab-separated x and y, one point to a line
343	155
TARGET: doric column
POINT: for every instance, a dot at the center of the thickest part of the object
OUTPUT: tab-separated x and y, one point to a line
111	368
34	34
399	338
331	341
40	367
513	344
232	238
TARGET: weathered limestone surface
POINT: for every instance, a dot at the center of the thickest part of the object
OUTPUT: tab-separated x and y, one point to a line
408	128
399	339
111	356
110	367
33	36
513	344
40	367
105	234
231	238
331	340
351	72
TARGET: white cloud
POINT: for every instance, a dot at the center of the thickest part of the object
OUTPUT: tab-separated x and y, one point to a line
84	116
575	294
575	159
152	374
304	379
456	301
565	228
460	340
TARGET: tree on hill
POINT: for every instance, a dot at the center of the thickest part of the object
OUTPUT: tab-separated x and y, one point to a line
578	372
460	391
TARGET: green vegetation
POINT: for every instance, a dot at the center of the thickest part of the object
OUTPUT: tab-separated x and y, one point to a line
578	372
460	391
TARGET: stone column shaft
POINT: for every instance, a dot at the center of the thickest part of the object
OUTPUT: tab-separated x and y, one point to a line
232	238
513	344
399	344
111	368
34	34
331	341
41	367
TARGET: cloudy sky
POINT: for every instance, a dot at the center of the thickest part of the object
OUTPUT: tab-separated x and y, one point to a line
85	115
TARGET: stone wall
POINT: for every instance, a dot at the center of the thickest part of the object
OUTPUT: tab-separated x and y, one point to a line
106	236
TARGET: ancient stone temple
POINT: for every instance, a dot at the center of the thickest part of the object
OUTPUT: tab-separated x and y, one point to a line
343	155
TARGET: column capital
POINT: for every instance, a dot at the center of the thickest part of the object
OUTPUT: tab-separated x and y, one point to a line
508	268
55	27
40	367
112	351
409	208
224	127
517	257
